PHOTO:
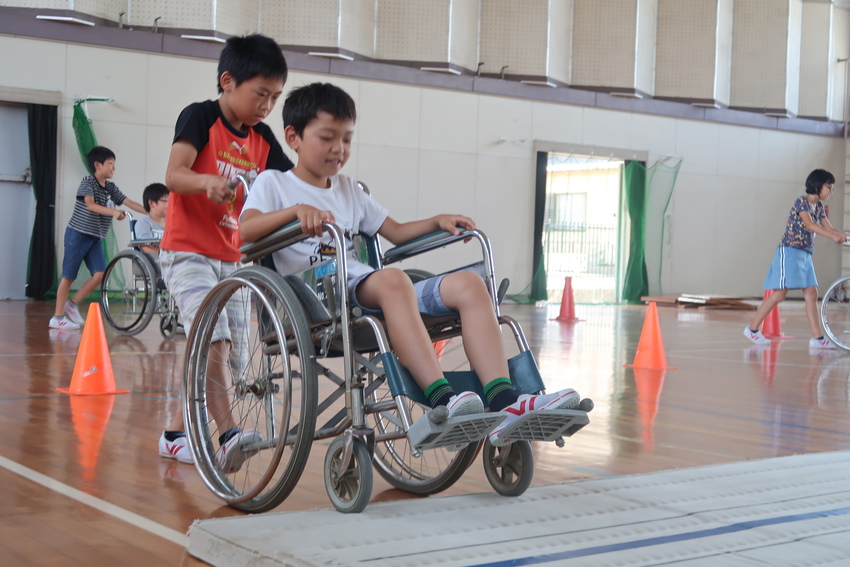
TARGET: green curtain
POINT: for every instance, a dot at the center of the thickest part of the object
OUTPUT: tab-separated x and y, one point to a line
635	284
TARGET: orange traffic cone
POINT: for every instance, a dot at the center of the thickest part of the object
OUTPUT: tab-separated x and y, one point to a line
440	346
772	327
93	370
568	306
650	350
90	415
648	383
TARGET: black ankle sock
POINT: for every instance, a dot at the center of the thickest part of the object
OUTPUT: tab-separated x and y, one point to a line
503	399
174	435
227	435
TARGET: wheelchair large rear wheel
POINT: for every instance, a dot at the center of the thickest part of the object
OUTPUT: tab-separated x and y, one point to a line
267	384
128	292
835	312
418	472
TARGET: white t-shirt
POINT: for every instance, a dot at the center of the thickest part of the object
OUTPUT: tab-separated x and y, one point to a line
354	211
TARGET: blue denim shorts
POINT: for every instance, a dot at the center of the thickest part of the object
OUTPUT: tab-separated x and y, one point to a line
427	294
81	247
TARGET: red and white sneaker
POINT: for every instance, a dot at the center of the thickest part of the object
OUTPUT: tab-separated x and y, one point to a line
177	449
565	399
73	313
238	449
63	323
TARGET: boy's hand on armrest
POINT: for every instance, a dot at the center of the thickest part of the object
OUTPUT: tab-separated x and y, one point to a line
450	223
312	219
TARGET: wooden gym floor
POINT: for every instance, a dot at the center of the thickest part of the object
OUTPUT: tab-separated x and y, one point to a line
81	482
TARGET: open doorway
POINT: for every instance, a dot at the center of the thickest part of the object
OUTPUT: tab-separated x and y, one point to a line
582	226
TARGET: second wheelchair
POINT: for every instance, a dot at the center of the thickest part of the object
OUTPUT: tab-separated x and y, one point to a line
133	291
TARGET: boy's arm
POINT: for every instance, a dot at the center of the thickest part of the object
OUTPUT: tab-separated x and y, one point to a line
134	205
180	178
255	224
101	210
399	233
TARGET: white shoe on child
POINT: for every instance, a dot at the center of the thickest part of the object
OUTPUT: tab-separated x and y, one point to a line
177	449
465	403
63	323
73	312
565	399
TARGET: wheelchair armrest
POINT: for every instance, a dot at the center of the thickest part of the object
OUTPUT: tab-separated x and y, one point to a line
424	244
137	243
280	238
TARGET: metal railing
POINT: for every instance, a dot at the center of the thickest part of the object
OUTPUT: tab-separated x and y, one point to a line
580	249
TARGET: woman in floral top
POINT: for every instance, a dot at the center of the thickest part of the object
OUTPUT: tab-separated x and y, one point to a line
792	266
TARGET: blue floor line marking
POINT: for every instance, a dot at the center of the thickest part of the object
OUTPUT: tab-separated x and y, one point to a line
600	549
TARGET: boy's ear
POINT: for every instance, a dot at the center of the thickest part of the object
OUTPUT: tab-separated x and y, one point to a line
227	82
293	140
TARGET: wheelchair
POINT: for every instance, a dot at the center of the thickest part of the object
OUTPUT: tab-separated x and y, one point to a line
132	291
292	331
835	312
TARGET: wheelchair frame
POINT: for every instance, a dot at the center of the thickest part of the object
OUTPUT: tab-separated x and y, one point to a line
274	389
132	291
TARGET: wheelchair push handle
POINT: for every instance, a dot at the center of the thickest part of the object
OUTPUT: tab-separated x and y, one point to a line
238	180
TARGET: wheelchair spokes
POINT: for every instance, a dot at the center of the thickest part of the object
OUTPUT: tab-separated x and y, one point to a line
253	386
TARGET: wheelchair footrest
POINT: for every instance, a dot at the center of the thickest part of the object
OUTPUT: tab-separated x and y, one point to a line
425	434
545	425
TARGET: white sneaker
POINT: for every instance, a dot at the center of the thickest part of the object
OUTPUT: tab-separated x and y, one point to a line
237	450
822	342
756	336
465	403
177	449
565	399
73	313
62	323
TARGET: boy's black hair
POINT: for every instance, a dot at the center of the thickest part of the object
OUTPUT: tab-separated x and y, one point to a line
251	56
304	103
817	179
153	192
98	154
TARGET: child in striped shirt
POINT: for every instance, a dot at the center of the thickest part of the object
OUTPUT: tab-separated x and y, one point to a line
94	210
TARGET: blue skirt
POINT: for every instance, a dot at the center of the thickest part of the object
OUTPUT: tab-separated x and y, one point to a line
791	268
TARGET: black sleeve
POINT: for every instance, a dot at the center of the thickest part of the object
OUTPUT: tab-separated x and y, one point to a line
277	159
193	125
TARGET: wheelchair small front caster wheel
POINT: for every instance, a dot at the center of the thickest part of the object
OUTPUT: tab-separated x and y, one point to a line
509	469
168	326
348	484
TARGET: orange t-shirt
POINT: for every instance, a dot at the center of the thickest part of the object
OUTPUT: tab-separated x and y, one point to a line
193	222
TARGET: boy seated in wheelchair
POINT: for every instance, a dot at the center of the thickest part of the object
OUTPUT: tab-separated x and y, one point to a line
151	227
319	125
